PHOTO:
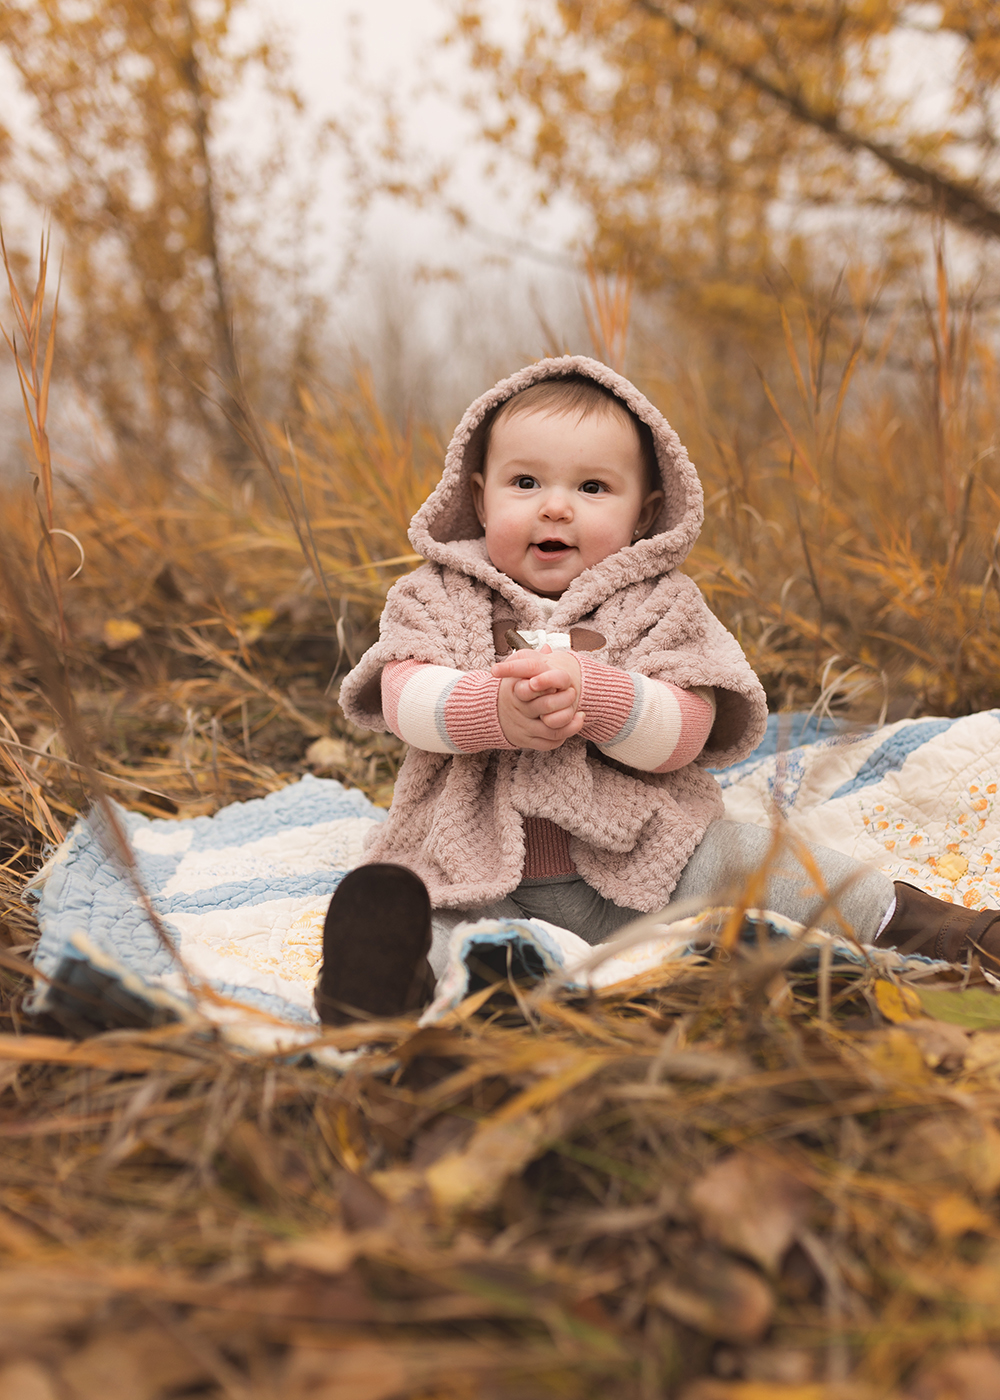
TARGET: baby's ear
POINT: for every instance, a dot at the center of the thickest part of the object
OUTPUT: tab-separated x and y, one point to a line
647	513
477	485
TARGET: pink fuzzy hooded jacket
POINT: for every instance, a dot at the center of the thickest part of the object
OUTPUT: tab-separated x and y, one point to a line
457	820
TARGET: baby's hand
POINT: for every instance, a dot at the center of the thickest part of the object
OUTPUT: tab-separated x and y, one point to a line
539	698
546	682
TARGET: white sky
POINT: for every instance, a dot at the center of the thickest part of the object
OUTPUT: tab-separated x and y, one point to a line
489	320
401	50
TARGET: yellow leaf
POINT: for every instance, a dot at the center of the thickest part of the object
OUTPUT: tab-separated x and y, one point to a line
952	1214
119	631
897	1058
258	617
328	754
896	1003
255	622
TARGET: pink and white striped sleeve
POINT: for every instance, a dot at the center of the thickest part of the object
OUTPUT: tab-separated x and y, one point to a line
648	724
440	710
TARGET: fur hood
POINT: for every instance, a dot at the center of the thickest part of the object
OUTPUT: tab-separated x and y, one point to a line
446	530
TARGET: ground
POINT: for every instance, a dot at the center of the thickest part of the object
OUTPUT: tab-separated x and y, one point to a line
756	1178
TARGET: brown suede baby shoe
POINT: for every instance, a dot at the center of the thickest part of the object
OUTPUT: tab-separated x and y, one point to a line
922	924
376	939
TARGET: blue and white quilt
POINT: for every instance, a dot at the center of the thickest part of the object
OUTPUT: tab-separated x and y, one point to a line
917	799
243	894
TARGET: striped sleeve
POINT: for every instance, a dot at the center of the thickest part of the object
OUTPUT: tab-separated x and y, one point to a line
648	724
441	710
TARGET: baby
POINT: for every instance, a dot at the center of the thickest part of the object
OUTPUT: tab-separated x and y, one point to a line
563	690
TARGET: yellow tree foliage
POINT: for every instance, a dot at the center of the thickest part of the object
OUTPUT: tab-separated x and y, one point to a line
699	135
125	97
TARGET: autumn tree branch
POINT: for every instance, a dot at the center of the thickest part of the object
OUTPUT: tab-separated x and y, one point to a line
957	200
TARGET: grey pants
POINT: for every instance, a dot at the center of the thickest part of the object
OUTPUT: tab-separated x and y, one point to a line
728	853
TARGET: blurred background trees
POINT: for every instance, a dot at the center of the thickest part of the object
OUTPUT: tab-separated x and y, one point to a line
160	225
784	222
704	139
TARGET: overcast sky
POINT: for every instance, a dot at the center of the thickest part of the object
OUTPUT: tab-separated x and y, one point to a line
398	43
514	272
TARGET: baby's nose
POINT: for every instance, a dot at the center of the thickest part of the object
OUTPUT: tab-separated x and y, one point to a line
557	505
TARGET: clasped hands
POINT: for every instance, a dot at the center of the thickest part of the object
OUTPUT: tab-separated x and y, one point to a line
538	704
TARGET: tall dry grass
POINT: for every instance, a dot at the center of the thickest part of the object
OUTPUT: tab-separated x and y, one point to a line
345	480
197	642
706	1189
853	546
741	1182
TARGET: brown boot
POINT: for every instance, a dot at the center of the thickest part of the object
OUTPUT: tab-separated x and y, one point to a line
375	943
928	926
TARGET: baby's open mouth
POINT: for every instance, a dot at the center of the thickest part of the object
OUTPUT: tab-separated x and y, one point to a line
551	546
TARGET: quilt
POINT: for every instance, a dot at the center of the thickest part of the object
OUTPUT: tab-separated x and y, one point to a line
242	895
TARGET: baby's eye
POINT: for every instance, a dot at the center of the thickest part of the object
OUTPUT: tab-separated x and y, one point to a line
593	488
525	483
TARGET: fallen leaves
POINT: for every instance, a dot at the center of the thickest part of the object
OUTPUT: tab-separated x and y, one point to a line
501	1209
953	1215
943	1046
971	1373
717	1296
329	1251
982	1055
896	1002
751	1207
896	1059
119	632
140	1363
328	755
977	1008
955	1149
507	1141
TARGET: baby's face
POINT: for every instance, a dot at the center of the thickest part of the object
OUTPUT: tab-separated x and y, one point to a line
557	496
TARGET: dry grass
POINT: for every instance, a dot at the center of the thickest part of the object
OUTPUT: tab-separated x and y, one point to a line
852	544
718	1187
703	1179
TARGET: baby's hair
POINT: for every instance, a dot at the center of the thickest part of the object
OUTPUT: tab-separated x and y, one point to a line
575	394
